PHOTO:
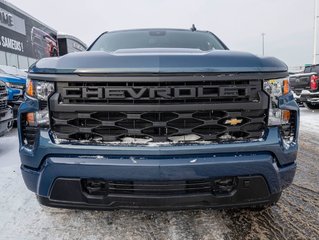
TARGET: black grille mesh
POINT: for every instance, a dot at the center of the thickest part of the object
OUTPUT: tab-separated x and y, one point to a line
159	126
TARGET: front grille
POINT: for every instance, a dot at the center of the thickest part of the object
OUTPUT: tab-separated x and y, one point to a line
3	97
159	126
143	112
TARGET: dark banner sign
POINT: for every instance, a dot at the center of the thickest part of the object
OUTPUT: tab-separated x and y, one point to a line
25	36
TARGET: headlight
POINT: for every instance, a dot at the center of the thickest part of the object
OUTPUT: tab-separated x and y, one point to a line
39	89
277	88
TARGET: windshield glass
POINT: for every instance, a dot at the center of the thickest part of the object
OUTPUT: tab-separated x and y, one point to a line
114	41
307	70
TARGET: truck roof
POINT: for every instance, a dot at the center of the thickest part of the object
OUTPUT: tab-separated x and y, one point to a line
157	29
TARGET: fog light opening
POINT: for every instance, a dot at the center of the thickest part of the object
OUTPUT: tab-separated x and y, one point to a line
288	129
30	119
95	187
29	129
226	185
38	119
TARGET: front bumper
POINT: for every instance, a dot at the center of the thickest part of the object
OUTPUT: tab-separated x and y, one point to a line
307	96
5	120
59	181
50	162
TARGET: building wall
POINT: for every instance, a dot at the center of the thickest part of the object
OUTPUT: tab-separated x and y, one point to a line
24	39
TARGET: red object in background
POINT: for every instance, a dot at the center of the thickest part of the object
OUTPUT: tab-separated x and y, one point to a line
314	82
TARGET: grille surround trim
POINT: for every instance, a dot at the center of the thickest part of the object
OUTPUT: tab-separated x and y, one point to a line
109	122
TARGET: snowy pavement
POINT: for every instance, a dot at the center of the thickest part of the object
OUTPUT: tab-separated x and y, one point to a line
296	216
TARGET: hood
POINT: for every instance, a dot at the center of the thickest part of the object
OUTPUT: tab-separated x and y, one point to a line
159	61
12	79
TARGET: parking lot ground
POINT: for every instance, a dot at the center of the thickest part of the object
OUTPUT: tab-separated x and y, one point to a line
296	216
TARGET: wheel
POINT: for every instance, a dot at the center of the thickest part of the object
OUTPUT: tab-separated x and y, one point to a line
311	106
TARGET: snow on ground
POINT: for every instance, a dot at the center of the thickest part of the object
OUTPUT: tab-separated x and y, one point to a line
309	120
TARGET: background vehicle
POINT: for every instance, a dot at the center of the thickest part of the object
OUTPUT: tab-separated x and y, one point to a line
5	110
15	81
26	40
43	44
69	44
306	87
158	118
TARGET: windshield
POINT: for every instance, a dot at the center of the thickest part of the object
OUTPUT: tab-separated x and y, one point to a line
307	70
114	41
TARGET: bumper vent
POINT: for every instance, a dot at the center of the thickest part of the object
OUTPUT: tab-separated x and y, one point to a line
169	188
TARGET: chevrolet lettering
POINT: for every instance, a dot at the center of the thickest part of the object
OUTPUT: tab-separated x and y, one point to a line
152	93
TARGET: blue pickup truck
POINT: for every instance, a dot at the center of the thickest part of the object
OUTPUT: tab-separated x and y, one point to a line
15	81
158	119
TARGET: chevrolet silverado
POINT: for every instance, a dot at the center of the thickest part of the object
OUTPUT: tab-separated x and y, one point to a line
158	119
